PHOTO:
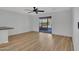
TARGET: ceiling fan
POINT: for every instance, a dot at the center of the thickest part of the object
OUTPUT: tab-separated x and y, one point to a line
35	9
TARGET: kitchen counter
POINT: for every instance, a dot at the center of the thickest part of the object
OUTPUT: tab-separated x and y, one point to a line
4	34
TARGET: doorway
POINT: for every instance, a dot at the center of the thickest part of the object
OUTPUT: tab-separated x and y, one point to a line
45	24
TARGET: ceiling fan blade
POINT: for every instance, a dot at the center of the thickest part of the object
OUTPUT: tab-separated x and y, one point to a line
36	12
40	10
30	12
27	10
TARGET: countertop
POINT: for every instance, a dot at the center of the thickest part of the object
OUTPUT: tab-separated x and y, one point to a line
6	28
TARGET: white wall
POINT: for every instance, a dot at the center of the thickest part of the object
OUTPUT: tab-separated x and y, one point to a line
75	29
21	23
61	22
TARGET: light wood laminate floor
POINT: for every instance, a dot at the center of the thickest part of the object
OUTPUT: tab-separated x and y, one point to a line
35	41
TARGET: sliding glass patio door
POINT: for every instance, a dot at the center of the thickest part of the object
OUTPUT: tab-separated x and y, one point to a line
45	25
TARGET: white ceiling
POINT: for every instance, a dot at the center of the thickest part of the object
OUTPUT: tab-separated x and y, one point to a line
46	9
